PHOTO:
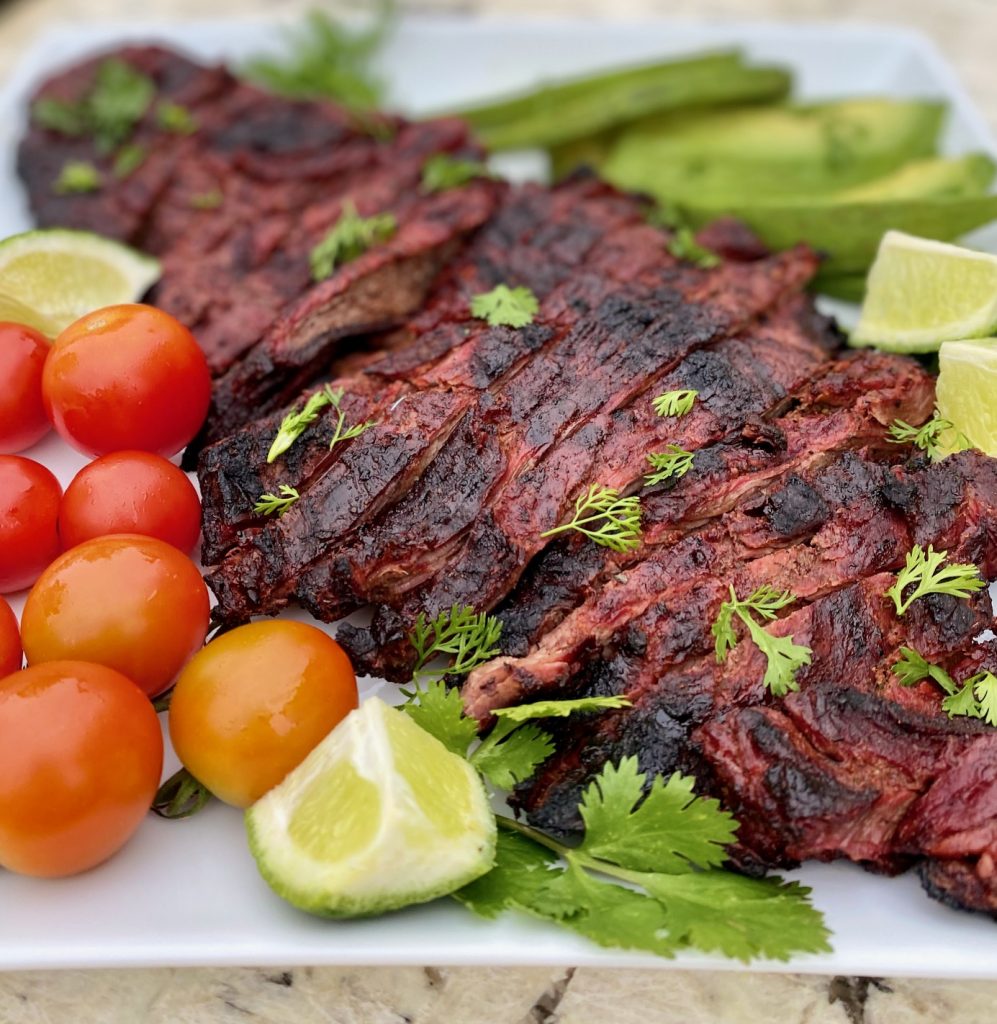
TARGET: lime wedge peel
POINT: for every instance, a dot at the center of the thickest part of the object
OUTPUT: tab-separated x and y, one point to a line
51	277
380	815
966	393
922	292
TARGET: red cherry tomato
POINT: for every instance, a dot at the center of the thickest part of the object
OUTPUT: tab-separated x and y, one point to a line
22	413
79	765
126	377
131	492
11	655
250	706
135	604
29	514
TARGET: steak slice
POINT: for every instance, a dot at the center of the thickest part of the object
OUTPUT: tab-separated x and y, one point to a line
843	405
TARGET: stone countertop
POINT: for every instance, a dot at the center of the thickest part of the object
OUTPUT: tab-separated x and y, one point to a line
441	995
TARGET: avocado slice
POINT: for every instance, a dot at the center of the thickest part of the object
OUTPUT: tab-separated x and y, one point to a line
772	152
932	177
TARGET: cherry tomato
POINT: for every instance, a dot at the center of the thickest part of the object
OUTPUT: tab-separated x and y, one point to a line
251	705
131	492
29	515
79	765
10	641
22	413
135	604
126	377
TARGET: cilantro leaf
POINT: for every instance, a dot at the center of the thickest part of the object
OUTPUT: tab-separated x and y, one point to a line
912	668
985	688
962	702
439	710
927	572
683	246
514	757
76	178
521	871
668	830
560	708
506	307
442	171
349	238
739	917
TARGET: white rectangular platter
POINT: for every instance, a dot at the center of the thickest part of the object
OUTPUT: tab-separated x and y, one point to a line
187	893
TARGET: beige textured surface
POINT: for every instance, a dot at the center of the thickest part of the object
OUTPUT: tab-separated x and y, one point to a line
964	31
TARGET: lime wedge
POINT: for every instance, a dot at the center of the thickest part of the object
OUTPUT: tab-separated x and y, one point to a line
966	393
378	816
52	277
921	293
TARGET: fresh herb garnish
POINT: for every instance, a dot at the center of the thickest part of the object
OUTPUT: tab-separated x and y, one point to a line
128	160
673	462
683	246
270	503
77	177
469	638
108	113
443	171
661	841
927	437
975	697
784	657
675	403
172	117
207	200
350	237
324	59
506	307
926	572
618	519
293	425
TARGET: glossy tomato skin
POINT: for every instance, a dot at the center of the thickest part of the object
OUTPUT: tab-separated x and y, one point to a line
131	492
22	413
252	705
134	604
126	377
79	766
29	515
11	654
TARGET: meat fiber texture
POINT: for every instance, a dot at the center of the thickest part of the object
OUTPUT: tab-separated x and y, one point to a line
234	208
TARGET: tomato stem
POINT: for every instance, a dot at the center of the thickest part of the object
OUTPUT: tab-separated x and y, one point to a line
180	796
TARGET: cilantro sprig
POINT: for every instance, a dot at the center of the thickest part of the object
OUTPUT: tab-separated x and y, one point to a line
108	113
975	697
506	307
76	178
605	518
349	238
927	437
673	463
783	655
443	171
467	637
675	403
683	246
294	424
927	573
268	504
647	873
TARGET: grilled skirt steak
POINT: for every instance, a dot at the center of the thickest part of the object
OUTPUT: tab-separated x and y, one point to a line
484	436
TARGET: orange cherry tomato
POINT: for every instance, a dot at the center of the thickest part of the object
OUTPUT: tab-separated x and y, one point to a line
126	377
131	492
29	516
11	654
80	761
135	604
22	414
251	706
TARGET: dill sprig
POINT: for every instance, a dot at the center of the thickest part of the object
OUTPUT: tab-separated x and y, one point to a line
350	237
784	657
675	403
469	638
927	573
618	519
270	503
673	462
927	437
